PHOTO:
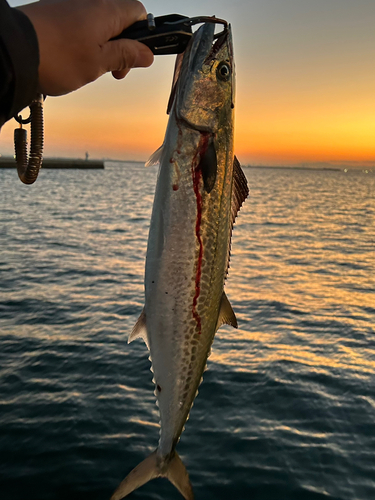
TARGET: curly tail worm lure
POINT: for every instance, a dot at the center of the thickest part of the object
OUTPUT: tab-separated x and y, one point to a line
28	166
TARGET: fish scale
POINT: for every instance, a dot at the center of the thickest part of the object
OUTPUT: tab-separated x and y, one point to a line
199	191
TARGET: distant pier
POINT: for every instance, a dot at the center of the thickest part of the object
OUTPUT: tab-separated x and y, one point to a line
72	163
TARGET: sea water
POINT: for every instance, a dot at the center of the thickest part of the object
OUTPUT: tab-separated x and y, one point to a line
286	410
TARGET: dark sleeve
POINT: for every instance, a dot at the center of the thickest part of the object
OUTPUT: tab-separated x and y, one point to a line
19	61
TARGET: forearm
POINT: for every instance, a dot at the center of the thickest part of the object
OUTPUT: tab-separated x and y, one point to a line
56	46
75	41
19	61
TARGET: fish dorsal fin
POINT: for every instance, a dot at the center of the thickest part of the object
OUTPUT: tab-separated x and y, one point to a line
226	313
240	189
139	330
155	157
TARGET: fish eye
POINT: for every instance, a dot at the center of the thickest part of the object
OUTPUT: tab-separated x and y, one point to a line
223	71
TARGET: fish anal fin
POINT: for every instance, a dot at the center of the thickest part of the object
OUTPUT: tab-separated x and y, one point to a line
155	157
139	330
226	313
154	466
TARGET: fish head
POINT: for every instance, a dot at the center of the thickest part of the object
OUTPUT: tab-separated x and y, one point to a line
204	93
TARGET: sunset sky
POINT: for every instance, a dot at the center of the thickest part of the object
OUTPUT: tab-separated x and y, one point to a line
305	88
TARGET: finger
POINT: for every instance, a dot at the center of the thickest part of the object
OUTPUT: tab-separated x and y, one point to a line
119	55
119	75
129	12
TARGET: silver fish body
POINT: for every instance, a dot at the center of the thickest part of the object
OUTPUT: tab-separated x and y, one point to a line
199	191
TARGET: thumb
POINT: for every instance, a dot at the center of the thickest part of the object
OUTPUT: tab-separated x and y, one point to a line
123	54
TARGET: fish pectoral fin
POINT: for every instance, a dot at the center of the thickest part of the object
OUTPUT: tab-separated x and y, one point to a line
140	330
155	157
152	467
226	313
208	165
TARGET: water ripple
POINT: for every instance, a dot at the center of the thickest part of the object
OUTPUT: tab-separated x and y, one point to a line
286	408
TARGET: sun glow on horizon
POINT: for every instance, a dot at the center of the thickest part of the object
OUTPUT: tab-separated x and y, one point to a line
305	90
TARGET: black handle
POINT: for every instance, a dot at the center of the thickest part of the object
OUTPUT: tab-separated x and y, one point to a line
163	35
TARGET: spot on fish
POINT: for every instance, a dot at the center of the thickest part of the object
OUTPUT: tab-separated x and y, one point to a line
175	187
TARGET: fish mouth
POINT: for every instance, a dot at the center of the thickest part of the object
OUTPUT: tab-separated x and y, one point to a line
202	48
196	93
206	44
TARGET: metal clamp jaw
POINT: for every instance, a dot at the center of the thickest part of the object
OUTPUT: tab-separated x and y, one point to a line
166	34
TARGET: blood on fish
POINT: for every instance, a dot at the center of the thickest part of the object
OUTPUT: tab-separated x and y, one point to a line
175	187
197	176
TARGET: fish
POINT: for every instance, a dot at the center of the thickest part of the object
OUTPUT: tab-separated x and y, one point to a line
200	188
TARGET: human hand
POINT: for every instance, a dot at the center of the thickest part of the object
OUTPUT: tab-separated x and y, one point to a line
74	44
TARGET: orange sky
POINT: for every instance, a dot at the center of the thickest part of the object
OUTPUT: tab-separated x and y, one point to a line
305	88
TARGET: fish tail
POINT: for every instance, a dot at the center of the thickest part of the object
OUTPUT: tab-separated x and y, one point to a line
154	466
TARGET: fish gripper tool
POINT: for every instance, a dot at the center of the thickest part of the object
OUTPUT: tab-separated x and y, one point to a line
168	34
